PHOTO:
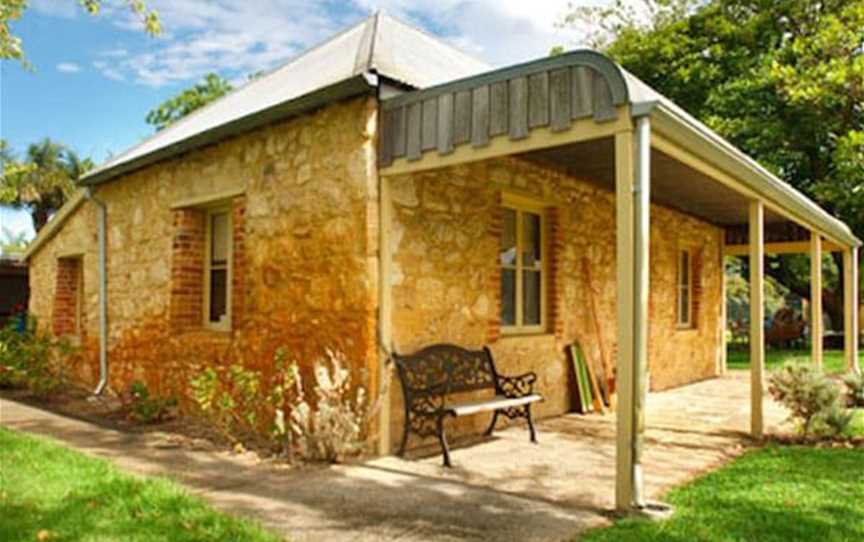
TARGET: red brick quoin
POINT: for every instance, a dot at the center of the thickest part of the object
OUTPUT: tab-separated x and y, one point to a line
66	297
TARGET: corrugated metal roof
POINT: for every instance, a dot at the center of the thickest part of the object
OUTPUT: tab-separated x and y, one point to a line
378	45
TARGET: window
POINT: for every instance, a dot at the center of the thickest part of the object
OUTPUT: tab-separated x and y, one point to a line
523	275
685	289
218	263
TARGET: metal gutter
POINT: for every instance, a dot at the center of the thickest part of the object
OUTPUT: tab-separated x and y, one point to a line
348	88
101	219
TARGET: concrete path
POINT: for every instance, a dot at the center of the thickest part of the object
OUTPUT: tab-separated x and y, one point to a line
502	488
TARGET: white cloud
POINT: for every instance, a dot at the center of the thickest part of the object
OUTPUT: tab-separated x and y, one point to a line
57	8
68	67
109	71
237	38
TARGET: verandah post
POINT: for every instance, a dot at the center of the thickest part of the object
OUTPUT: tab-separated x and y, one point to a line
757	316
632	180
851	307
816	318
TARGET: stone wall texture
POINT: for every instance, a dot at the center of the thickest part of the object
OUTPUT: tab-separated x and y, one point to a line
304	270
445	241
303	197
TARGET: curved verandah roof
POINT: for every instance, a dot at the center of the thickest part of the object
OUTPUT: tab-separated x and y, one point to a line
566	110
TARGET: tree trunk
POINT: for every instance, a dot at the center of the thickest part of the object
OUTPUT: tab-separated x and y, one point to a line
40	217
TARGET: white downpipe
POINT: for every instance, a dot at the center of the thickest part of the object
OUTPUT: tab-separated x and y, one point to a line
641	262
101	218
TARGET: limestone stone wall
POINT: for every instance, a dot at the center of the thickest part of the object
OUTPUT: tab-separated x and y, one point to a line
446	278
309	276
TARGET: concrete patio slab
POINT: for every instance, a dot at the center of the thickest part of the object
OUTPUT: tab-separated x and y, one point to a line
503	488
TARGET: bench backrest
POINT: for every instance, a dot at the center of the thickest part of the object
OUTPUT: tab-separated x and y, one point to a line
427	371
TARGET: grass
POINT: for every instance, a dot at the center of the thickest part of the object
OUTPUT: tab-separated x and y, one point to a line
48	492
834	361
772	494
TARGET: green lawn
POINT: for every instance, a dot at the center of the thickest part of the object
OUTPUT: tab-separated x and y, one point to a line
773	494
835	361
48	492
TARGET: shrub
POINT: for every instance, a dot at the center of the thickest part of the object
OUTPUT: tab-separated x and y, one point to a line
146	409
30	359
282	384
227	396
834	421
812	398
335	424
854	389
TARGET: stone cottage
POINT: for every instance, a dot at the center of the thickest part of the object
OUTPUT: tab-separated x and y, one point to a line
384	191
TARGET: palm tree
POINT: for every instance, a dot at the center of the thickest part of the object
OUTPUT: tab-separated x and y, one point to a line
44	181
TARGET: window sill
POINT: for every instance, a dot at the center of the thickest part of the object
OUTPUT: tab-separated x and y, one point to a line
526	336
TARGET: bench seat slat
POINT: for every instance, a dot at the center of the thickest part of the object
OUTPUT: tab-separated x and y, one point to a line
487	405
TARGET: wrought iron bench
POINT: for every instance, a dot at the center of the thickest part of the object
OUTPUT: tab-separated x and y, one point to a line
432	374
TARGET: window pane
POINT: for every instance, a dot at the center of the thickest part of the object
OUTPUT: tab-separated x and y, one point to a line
684	306
684	269
531	298
508	238
218	294
531	244
219	238
508	297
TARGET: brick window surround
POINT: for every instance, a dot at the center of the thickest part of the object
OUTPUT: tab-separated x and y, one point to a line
68	314
188	267
555	245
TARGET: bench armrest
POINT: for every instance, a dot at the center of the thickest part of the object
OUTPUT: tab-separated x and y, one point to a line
517	386
430	401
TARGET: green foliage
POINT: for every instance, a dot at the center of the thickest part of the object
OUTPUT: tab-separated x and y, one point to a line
738	299
809	396
32	360
228	398
12	10
773	494
46	488
283	381
144	408
43	181
854	389
175	108
782	80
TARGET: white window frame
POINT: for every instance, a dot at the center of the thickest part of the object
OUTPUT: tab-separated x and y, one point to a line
225	325
521	205
684	320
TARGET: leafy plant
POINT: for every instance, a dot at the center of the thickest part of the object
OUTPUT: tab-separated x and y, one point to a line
335	424
808	394
854	389
146	409
227	396
30	359
282	384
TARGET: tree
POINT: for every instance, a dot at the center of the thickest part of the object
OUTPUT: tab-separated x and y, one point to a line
783	80
44	181
173	109
12	10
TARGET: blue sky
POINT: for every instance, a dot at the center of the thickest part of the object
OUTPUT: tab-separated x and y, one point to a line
95	78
